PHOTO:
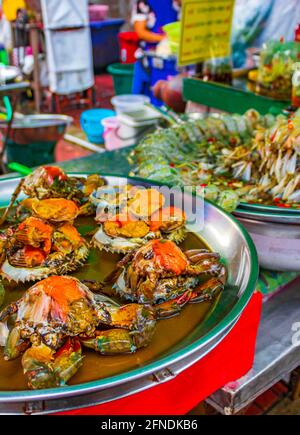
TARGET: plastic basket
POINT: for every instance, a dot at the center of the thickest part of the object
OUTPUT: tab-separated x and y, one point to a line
123	77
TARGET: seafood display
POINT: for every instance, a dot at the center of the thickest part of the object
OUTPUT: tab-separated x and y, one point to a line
56	316
129	217
49	324
227	158
36	249
160	273
48	182
274	161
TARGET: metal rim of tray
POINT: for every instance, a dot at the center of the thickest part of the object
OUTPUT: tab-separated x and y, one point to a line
222	327
39	121
261	208
281	218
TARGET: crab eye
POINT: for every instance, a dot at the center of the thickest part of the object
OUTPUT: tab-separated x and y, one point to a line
149	255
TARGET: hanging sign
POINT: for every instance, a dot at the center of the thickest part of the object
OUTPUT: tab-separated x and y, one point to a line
205	30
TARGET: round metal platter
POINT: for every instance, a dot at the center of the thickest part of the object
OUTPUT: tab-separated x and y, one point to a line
223	234
261	208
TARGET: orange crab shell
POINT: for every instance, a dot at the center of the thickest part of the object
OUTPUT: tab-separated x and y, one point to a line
33	231
62	290
163	216
54	173
33	256
126	225
54	209
168	256
71	235
146	202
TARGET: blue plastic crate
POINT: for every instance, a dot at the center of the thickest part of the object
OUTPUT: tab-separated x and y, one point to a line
105	43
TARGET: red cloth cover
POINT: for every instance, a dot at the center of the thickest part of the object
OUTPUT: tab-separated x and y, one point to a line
229	361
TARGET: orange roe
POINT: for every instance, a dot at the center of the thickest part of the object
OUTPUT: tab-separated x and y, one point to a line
55	172
169	256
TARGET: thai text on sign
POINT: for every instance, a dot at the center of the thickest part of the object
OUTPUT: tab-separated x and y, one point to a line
206	30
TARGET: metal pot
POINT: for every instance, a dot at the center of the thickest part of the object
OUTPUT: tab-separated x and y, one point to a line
223	234
37	128
32	139
277	243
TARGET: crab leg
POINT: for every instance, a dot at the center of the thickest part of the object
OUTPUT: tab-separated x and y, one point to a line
15	345
197	255
68	360
173	307
13	199
134	328
117	341
207	291
202	293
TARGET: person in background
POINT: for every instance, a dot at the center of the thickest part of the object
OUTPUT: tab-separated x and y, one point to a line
148	18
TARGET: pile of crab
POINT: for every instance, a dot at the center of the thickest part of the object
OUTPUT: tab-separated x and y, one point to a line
45	242
59	315
130	216
271	164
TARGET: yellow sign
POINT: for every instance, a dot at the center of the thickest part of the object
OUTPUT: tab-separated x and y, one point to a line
206	30
10	8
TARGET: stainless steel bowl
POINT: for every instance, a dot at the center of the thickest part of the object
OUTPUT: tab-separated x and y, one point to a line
223	234
37	128
277	244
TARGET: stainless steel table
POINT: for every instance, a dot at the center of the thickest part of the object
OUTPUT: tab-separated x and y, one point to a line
275	357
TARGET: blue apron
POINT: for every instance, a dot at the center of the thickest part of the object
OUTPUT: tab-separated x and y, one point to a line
165	14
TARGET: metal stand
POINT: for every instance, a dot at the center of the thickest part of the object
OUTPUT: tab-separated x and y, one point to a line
12	90
276	356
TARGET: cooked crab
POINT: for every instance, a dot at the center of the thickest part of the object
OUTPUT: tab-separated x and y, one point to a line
54	210
55	316
161	273
126	231
49	182
52	182
36	249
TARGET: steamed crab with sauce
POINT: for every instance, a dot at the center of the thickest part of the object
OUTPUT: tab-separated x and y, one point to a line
36	249
55	210
161	274
50	182
56	316
134	217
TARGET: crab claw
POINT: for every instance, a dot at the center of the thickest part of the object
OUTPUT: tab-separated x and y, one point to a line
45	369
38	367
68	360
204	292
134	329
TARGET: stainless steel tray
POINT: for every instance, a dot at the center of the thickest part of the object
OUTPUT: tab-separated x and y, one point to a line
225	235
